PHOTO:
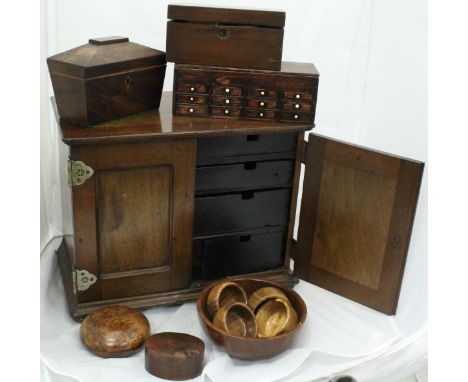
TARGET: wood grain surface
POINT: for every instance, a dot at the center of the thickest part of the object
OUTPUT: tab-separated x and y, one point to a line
357	212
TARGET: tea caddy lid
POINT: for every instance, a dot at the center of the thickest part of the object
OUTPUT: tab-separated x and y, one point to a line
103	56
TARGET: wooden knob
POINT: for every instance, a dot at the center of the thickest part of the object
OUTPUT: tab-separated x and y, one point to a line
174	356
114	331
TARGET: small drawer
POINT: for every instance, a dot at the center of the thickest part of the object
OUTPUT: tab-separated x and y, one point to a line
227	90
261	93
241	211
226	101
242	176
210	150
219	111
297	116
187	110
297	95
253	103
229	255
260	114
192	88
192	99
297	105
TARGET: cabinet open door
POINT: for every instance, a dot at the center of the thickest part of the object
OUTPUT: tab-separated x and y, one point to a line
133	219
355	223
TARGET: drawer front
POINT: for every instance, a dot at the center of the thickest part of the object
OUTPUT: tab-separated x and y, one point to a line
192	99
297	105
297	116
188	110
225	111
246	145
248	175
192	88
230	255
291	94
253	103
260	114
261	93
226	101
241	211
227	90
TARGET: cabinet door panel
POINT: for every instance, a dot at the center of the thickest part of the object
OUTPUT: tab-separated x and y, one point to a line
134	208
134	218
357	212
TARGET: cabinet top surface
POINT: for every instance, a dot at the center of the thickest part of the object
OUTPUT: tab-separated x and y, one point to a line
163	125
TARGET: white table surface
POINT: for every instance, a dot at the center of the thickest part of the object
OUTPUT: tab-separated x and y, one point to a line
339	337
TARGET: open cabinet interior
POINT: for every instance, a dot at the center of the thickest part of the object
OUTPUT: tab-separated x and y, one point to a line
164	205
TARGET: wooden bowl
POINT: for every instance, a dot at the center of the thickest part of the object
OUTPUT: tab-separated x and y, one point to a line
236	319
224	294
274	317
252	348
263	294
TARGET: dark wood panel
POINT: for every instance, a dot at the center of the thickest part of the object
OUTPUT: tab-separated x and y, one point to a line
244	176
245	145
192	99
241	211
226	101
134	210
224	45
230	112
226	15
234	254
357	212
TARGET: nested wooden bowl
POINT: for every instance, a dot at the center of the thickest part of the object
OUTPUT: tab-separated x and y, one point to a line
236	319
224	294
275	316
252	348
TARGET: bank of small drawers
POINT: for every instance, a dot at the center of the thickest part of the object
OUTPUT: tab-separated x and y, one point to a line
202	100
242	199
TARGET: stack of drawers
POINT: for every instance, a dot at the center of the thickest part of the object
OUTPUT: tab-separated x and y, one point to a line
228	64
242	198
288	95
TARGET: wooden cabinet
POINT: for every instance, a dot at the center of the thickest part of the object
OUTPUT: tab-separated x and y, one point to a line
163	205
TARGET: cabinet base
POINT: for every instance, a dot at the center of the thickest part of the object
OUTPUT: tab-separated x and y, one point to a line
79	311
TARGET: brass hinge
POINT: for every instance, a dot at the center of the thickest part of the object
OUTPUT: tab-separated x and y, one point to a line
82	280
78	172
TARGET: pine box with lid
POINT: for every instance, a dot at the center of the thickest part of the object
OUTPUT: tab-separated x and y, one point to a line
105	79
236	38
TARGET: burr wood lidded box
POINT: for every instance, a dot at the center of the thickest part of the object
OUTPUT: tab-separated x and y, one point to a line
107	78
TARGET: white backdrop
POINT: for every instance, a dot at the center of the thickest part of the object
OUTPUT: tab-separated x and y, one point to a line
371	55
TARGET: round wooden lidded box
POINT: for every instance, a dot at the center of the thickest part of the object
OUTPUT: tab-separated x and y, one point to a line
114	331
175	356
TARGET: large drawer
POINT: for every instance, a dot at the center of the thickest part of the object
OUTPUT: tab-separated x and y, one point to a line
242	176
227	255
211	150
241	211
